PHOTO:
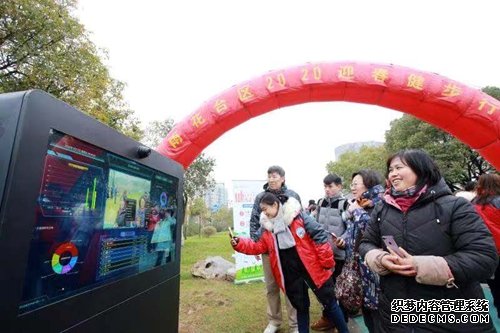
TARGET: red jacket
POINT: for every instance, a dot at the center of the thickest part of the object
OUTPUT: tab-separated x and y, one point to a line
311	242
491	217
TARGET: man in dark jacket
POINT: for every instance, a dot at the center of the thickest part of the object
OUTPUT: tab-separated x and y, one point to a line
276	185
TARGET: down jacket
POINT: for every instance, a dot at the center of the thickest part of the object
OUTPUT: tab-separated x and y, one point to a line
436	224
311	242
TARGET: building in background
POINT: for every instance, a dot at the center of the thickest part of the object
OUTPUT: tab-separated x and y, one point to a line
355	147
217	198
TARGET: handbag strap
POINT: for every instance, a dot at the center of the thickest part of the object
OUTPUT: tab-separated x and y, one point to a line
357	240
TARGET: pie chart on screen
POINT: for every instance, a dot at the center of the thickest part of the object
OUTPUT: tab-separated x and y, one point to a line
64	258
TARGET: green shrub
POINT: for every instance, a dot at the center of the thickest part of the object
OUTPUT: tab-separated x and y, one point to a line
222	225
208	231
192	229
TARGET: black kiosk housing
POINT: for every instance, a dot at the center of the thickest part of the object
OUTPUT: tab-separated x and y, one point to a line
89	224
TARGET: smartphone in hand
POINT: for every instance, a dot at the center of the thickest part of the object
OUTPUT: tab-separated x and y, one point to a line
337	241
390	243
231	234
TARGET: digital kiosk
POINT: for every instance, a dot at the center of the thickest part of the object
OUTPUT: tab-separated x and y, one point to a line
89	224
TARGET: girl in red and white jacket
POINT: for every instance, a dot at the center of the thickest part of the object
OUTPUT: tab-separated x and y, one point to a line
300	257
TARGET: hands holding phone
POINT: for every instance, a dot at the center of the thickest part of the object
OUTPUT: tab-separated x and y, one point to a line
234	239
399	265
398	261
339	242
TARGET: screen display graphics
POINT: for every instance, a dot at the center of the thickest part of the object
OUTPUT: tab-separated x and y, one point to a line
100	218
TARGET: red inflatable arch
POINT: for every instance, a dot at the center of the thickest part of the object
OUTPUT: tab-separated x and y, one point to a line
468	114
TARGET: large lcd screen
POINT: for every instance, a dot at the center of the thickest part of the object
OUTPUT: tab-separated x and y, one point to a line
100	217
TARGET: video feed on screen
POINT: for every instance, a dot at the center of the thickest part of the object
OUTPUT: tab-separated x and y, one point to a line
127	200
100	218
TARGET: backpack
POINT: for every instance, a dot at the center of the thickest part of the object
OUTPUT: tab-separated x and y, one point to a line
342	205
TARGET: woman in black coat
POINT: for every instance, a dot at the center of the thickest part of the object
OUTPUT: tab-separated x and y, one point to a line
445	250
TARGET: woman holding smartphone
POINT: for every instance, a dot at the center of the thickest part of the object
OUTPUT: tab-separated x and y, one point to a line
445	251
300	255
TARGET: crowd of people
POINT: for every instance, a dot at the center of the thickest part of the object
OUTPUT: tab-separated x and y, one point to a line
415	247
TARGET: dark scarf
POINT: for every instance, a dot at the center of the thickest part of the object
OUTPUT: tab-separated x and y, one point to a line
277	192
409	192
405	199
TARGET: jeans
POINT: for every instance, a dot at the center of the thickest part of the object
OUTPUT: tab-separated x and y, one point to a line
331	311
326	297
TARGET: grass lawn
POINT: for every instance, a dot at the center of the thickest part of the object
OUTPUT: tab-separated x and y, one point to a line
212	306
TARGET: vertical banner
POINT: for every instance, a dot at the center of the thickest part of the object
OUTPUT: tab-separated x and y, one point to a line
248	268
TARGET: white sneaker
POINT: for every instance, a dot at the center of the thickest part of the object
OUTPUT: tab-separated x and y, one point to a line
271	328
294	330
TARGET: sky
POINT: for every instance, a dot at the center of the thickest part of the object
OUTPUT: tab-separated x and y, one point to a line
174	55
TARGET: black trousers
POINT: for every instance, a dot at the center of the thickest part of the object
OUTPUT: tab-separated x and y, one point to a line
494	285
297	281
371	319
